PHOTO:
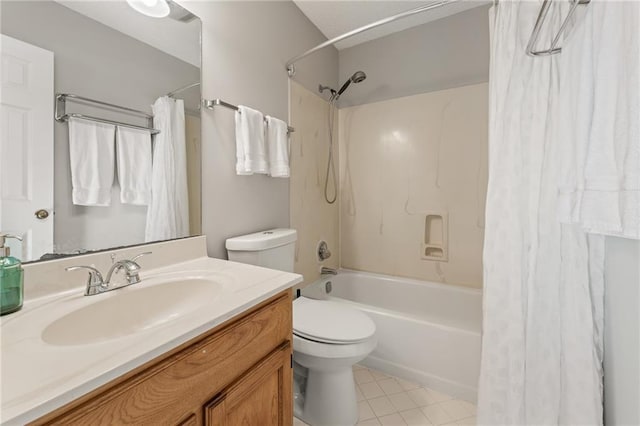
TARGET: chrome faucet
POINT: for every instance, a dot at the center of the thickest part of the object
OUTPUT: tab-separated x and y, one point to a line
96	284
329	271
131	269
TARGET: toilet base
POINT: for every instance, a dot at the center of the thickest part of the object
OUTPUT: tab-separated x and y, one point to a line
330	398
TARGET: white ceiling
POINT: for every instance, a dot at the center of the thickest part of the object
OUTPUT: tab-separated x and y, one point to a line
178	39
334	18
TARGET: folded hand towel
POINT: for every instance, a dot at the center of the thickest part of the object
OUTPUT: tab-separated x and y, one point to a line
133	149
251	152
278	144
91	157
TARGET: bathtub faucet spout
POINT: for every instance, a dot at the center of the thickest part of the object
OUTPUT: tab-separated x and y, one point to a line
329	271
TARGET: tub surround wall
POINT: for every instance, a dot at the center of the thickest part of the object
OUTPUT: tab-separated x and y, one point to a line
403	159
311	215
245	46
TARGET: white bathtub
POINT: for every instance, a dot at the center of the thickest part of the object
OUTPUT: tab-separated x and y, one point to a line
427	332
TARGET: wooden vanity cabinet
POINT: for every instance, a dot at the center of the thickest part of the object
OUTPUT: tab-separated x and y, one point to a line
239	373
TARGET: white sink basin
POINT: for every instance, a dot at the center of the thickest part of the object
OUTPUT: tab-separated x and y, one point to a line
131	310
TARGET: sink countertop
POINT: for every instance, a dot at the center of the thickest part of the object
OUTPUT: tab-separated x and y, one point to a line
39	377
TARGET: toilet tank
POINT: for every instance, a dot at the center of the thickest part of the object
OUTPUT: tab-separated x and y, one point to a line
273	249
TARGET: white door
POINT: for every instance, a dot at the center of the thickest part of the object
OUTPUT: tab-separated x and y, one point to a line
26	147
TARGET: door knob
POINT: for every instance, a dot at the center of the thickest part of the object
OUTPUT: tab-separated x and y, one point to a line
42	214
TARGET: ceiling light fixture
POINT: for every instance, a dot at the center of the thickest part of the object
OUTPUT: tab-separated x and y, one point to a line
153	8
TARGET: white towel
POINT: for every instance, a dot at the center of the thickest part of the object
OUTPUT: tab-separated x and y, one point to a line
599	186
133	150
251	152
91	156
278	144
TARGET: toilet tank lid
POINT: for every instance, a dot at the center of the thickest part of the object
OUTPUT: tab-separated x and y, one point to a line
262	240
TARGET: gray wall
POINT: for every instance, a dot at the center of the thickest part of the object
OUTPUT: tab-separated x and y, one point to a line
450	52
245	48
622	332
98	62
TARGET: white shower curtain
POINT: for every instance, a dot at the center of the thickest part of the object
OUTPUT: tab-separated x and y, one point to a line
168	211
543	280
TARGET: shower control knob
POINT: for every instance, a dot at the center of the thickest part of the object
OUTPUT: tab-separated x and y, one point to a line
42	214
323	251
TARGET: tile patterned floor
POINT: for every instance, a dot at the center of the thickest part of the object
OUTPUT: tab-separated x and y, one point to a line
389	401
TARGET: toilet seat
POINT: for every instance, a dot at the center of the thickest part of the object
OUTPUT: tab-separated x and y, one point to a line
332	351
329	322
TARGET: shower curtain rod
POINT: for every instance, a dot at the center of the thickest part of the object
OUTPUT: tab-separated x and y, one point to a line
291	70
182	89
291	62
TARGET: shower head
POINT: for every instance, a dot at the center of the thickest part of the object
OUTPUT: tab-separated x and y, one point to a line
357	77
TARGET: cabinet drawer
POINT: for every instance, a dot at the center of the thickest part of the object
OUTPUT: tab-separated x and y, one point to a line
169	389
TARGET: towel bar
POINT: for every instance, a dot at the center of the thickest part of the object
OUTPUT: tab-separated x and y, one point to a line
62	116
212	103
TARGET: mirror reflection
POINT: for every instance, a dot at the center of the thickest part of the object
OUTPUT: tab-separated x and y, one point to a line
100	141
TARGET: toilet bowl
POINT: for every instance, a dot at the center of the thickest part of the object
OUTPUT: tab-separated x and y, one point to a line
328	339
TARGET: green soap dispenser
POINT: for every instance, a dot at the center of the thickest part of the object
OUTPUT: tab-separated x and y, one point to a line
11	279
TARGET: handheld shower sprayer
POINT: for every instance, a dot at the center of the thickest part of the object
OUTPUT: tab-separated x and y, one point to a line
357	77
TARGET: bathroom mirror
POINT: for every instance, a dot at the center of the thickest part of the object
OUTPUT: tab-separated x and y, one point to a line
101	51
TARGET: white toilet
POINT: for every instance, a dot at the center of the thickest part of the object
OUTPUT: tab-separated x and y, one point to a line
328	337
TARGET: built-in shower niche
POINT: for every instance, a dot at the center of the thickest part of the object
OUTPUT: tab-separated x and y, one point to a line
436	238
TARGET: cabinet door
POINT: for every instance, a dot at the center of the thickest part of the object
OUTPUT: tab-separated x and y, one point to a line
263	396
